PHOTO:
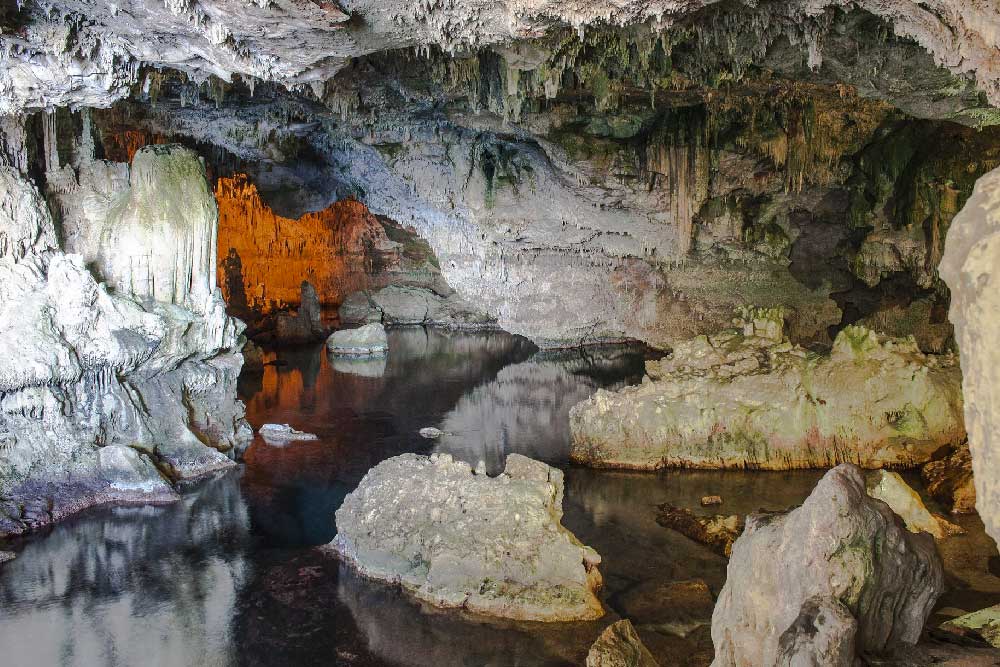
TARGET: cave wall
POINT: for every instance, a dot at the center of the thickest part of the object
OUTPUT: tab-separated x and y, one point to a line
620	185
264	257
111	389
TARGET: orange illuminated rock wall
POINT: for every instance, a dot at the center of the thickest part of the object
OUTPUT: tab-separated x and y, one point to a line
263	257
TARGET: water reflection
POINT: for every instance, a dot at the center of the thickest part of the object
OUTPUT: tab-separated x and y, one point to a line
130	586
233	574
525	409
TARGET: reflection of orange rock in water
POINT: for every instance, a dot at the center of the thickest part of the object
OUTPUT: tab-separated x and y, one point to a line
263	257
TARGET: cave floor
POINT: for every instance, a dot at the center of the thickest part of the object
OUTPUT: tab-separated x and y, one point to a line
232	573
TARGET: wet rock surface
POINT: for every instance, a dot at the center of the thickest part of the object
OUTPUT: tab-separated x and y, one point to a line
457	538
619	646
747	398
838	577
718	532
367	340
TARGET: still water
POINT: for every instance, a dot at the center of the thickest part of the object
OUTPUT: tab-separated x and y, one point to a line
231	574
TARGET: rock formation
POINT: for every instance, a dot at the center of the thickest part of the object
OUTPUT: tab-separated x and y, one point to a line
103	385
369	340
969	267
836	578
620	646
282	434
748	398
950	481
456	538
305	324
411	305
718	532
890	488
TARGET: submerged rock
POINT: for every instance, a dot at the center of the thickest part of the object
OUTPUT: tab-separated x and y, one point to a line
455	538
831	580
7	556
367	340
747	399
282	434
620	646
890	488
674	607
950	481
717	532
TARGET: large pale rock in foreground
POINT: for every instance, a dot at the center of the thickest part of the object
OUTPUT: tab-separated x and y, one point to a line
823	583
748	399
455	538
969	266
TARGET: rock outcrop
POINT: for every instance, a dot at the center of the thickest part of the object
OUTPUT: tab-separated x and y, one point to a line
984	623
969	267
456	538
619	646
103	385
831	580
413	305
748	399
369	340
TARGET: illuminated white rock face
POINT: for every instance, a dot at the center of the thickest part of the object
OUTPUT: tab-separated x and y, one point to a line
159	241
971	267
96	388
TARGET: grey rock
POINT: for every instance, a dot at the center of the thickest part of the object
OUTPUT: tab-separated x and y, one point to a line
282	434
455	538
369	339
413	305
619	646
797	580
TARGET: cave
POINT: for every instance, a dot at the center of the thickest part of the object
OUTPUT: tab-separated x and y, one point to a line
499	333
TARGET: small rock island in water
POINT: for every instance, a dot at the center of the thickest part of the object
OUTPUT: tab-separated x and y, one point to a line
633	333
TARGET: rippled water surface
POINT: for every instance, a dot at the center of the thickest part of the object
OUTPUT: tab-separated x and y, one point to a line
232	574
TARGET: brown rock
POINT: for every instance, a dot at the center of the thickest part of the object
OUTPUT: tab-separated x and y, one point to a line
717	532
711	500
949	481
620	646
676	607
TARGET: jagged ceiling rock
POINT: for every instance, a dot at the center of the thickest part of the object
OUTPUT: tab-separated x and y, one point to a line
87	52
